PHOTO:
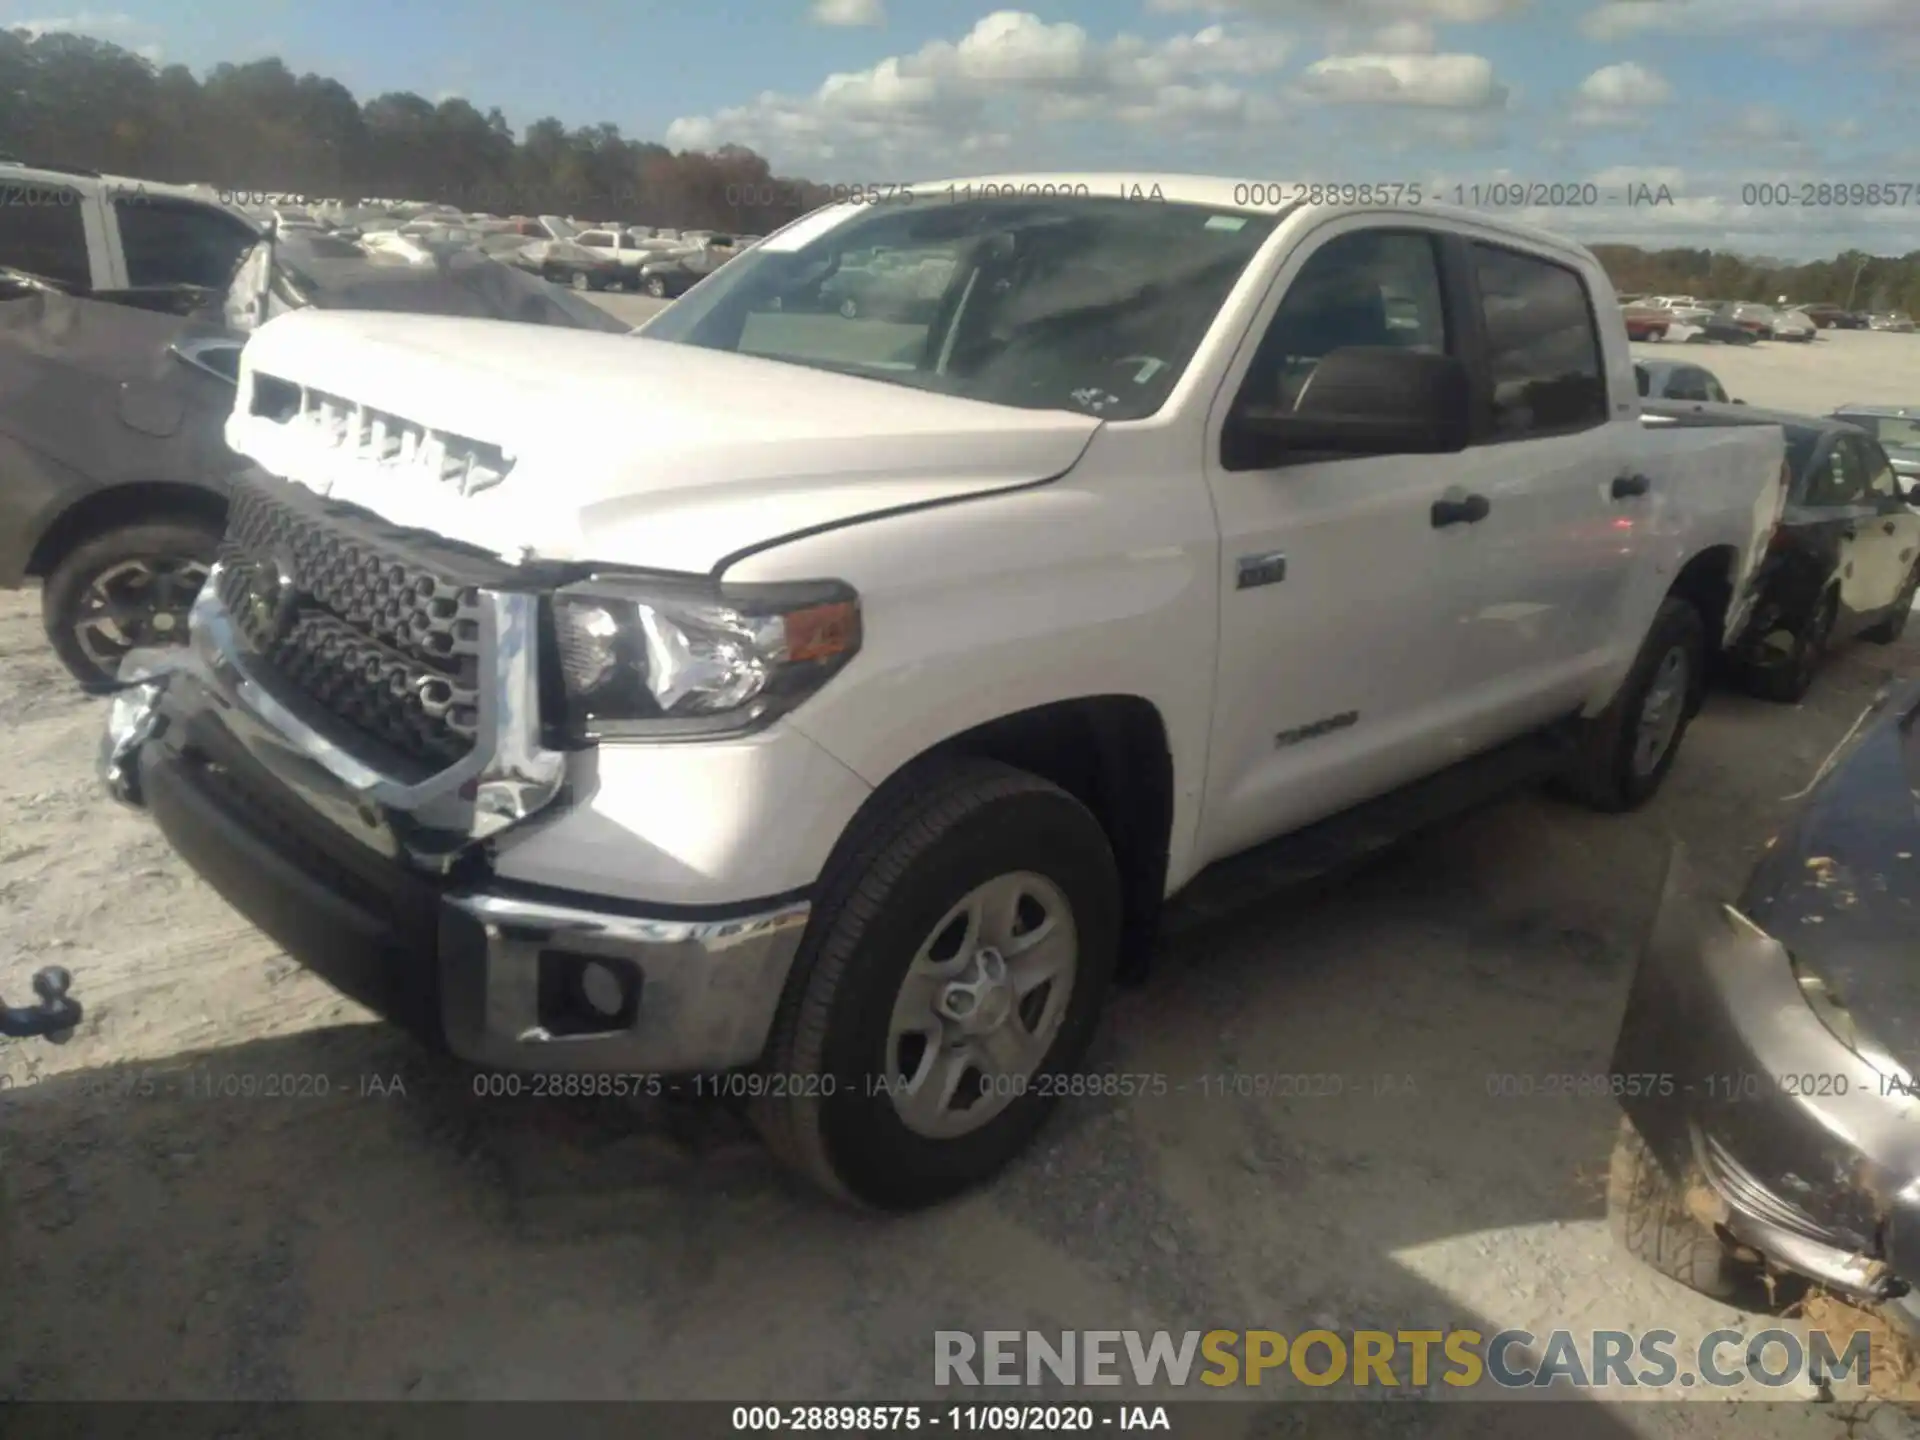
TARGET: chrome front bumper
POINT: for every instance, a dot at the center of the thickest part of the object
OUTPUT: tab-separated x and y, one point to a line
383	887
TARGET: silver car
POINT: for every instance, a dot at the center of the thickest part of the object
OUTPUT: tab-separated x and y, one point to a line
1679	380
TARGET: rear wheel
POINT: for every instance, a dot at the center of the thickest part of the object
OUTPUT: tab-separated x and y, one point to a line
1626	750
581	281
950	981
1894	625
1786	661
129	587
656	287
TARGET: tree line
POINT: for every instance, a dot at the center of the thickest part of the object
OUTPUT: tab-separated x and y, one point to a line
257	128
1854	278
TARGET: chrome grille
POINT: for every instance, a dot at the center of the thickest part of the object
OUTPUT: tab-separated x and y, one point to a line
350	612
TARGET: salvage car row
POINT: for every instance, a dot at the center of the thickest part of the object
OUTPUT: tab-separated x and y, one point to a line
1744	322
858	735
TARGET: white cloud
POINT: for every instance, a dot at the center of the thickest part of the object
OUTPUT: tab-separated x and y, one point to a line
1011	67
1623	86
1618	96
1446	82
848	12
1615	19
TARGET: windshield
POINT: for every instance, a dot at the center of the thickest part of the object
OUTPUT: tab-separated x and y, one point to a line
1094	305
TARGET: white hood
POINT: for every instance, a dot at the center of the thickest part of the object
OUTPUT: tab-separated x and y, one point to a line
624	450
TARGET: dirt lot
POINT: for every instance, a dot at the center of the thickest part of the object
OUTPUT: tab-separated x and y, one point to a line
168	1233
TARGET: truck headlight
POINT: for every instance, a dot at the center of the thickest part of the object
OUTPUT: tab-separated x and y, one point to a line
671	657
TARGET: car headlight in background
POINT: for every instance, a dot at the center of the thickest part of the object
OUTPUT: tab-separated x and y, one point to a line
681	658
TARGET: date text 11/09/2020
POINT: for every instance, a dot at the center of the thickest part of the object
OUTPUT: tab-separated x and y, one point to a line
1256	194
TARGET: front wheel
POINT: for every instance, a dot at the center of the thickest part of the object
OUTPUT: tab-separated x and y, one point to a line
129	587
950	981
1650	1219
581	282
1626	751
656	287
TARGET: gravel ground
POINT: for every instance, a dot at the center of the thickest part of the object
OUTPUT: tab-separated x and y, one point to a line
167	1231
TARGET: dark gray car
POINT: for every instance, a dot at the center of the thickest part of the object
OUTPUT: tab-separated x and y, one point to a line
1767	1058
114	468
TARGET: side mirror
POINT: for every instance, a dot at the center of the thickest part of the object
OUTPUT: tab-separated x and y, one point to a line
1362	400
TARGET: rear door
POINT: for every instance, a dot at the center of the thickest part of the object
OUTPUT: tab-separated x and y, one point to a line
1890	541
53	231
1554	556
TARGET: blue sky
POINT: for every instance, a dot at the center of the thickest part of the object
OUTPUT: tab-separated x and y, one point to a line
1703	96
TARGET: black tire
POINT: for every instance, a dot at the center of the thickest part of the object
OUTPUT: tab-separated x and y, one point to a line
656	287
1650	1221
169	547
1894	625
1786	680
897	874
1606	773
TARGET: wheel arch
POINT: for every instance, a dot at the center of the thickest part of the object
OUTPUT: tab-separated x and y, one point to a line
1110	752
135	503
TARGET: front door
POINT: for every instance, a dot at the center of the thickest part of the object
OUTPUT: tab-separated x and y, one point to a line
1341	600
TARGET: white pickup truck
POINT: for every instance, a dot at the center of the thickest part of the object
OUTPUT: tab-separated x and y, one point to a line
829	704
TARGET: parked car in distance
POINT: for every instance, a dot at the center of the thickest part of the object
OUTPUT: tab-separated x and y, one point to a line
1793	326
1646	322
1833	317
1731	1186
1720	329
564	262
114	467
1677	380
1896	427
630	249
1845	560
1263	551
1757	320
1896	321
679	270
1681	307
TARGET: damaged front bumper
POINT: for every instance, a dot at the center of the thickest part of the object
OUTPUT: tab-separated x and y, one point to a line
385	889
1810	1154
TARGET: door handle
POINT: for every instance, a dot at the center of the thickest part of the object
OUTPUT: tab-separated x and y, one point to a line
1468	510
1625	487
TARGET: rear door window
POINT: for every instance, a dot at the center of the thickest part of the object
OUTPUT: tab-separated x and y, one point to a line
43	232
